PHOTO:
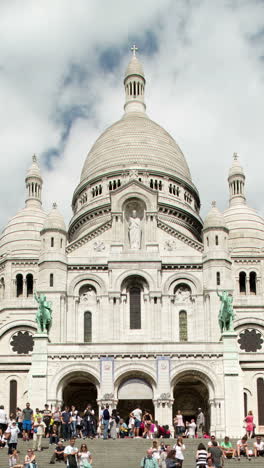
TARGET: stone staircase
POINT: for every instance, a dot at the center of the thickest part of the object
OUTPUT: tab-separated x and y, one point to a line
125	453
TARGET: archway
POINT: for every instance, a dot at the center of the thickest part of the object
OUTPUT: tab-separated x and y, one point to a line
190	393
79	389
134	392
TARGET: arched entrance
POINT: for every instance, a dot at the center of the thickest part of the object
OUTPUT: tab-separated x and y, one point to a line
134	392
79	389
190	393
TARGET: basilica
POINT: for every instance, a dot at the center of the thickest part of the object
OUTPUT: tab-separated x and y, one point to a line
134	285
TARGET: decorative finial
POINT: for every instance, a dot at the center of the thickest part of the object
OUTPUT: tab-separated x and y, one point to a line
235	156
54	205
134	49
213	204
34	158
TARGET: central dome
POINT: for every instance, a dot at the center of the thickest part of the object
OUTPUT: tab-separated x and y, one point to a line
135	140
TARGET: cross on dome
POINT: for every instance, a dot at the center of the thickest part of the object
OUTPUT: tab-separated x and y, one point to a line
54	205
235	156
134	49
213	204
34	158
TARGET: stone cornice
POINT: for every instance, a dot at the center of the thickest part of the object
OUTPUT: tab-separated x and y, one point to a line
135	355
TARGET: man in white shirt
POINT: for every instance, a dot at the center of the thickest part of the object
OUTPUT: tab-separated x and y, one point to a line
69	451
258	447
137	415
38	432
192	429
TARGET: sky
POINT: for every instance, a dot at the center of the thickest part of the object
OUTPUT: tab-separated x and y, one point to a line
62	65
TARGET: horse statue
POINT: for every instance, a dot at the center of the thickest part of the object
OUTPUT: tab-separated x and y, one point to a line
44	313
226	313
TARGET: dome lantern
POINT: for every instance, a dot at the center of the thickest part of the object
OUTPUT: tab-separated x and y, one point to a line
236	181
134	83
33	184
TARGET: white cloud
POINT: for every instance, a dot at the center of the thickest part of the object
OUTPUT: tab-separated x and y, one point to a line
204	85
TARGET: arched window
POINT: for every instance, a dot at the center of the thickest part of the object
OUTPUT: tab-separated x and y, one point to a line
260	391
52	241
51	280
87	327
19	285
183	326
218	278
242	282
253	282
2	288
12	396
29	282
245	404
216	240
135	307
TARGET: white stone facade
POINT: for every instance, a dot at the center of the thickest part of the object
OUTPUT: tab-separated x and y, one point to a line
135	321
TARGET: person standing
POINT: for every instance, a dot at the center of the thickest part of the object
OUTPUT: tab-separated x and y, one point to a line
66	423
27	421
258	447
179	448
201	456
19	419
47	418
216	454
56	416
105	421
38	432
137	415
89	421
192	429
200	421
74	414
249	420
178	423
3	418
12	442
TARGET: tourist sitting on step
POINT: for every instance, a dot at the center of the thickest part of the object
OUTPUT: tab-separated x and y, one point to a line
155	450
149	461
54	434
212	440
171	461
58	454
3	439
242	448
85	457
30	459
227	449
123	429
259	447
14	460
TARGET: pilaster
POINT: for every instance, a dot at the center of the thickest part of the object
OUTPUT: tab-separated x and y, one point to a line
37	383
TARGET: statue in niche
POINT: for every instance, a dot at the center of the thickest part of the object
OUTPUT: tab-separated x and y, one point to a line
183	294
134	230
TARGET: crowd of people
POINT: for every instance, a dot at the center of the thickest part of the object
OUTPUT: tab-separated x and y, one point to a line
63	427
210	454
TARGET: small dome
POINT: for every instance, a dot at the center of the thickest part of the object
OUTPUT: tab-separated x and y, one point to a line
54	220
246	228
21	236
34	170
214	219
236	168
134	67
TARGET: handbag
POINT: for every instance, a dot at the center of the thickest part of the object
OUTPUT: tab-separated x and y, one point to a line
86	464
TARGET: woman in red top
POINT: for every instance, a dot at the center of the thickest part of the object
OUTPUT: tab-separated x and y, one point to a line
249	424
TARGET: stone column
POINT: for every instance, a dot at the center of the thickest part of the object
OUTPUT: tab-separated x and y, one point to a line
37	377
163	410
233	387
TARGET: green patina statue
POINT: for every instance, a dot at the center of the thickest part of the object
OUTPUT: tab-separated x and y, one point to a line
44	313
226	313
